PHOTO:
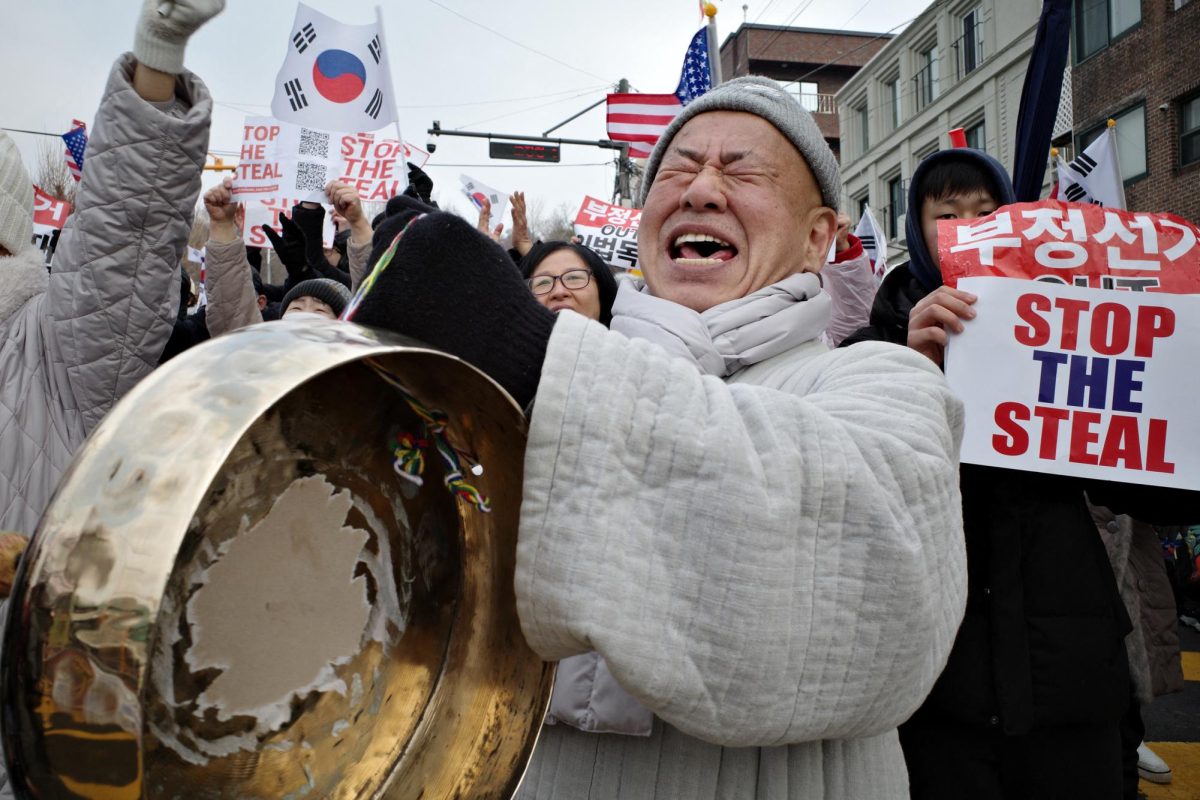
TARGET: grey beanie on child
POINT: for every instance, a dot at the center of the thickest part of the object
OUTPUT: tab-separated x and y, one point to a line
16	199
764	98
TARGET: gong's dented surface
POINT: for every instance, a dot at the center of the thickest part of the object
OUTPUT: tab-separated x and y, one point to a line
233	593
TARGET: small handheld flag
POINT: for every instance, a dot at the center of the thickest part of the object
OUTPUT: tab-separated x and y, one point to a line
477	191
335	76
641	118
873	242
1095	174
76	140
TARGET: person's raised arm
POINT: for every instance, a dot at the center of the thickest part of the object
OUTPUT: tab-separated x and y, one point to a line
232	300
114	286
347	202
522	242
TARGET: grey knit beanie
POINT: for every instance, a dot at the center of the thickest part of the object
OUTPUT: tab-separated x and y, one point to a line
764	98
16	199
331	293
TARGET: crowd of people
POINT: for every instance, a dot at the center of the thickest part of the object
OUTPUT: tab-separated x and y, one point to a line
746	535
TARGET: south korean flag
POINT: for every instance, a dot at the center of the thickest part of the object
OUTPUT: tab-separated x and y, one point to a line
335	76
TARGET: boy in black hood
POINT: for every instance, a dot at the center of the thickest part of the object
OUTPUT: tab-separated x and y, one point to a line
949	184
1033	701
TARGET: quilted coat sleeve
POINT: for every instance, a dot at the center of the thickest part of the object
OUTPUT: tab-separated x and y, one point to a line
757	566
114	287
359	255
232	301
851	285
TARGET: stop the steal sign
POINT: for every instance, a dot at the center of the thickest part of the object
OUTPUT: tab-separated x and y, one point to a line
1077	381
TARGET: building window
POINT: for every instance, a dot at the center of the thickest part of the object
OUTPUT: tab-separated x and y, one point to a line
861	204
926	78
1098	22
896	201
969	48
809	96
864	130
1131	141
1189	131
891	99
976	137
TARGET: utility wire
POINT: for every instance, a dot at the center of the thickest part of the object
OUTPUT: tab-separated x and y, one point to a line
804	4
812	72
34	133
856	13
255	106
513	166
523	110
766	8
511	40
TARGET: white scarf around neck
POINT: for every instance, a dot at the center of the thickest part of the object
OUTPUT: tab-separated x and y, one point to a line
732	335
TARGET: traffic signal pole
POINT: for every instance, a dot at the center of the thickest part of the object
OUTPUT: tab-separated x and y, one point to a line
623	191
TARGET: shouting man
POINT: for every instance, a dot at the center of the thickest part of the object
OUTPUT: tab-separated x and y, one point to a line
754	544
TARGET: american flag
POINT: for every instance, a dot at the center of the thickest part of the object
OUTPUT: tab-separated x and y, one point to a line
76	140
641	118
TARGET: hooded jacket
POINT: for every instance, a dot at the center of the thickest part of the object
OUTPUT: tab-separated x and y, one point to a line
72	343
907	284
1042	640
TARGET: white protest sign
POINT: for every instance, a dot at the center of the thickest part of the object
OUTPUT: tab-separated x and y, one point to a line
375	166
278	159
476	191
281	160
267	212
609	231
1069	380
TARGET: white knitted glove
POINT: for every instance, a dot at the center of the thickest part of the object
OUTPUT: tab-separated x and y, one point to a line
164	27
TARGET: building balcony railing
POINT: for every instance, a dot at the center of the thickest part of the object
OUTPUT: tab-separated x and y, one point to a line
814	102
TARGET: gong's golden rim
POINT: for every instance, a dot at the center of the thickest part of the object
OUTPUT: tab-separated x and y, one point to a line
94	581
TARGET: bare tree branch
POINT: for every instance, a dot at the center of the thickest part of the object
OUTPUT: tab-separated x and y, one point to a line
52	174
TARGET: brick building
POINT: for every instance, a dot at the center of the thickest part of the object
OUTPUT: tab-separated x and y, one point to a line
812	62
1136	61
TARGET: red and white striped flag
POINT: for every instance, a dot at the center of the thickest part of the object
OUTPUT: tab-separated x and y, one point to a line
640	119
76	140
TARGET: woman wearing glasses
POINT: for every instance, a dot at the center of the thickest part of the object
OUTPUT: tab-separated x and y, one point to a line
565	276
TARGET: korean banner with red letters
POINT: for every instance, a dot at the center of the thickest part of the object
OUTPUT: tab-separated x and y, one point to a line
1083	245
49	216
610	231
1091	368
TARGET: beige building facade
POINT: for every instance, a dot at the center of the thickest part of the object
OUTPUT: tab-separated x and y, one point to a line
960	64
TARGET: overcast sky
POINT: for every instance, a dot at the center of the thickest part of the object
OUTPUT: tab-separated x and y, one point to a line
446	63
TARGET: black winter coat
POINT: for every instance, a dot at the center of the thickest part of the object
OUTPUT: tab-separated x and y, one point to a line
1042	640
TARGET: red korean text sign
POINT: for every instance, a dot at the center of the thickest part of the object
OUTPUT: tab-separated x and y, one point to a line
49	211
1080	245
610	231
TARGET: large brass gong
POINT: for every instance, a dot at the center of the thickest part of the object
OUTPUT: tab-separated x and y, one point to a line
235	594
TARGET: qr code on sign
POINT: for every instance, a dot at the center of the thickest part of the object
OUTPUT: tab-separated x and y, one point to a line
310	177
314	143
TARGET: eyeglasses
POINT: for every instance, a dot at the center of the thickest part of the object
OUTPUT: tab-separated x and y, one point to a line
573	279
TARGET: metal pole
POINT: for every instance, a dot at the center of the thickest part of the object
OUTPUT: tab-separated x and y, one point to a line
601	101
605	143
387	62
714	52
624	193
